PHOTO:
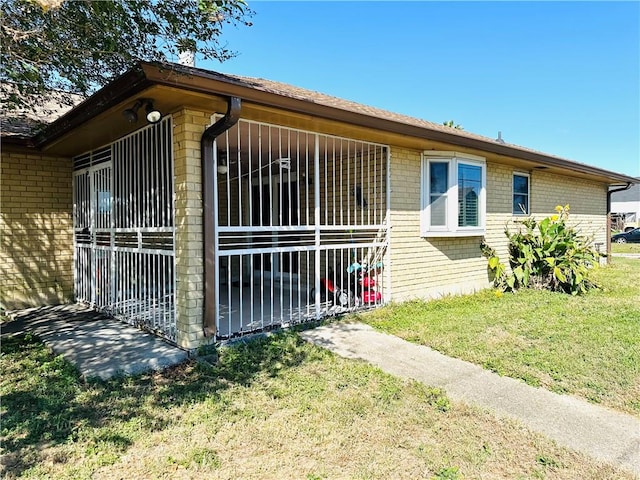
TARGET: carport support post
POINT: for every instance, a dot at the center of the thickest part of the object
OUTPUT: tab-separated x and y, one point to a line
608	248
188	128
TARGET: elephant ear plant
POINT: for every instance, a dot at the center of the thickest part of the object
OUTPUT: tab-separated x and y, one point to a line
548	254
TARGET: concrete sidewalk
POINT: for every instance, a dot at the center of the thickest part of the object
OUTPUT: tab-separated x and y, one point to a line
98	345
626	255
604	434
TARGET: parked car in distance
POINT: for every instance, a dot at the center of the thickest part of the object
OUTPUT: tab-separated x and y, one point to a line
632	236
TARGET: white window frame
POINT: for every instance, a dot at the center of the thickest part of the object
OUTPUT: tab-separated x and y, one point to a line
451	229
513	193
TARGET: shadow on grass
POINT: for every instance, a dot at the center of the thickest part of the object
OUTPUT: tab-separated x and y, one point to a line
45	402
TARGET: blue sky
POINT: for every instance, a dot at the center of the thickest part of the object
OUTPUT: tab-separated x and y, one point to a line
560	77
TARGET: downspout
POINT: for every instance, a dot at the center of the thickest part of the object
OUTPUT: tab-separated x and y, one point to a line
209	222
609	192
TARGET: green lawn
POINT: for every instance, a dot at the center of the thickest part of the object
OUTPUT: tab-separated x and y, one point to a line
276	407
625	248
587	346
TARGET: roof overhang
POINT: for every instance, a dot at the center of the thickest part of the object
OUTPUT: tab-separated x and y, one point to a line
99	117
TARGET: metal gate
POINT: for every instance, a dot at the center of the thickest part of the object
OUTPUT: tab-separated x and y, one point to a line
92	224
124	231
301	226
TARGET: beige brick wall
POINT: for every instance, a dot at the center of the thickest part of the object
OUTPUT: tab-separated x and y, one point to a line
188	128
36	230
432	267
425	268
587	202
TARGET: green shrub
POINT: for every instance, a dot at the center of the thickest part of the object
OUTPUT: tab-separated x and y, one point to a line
545	255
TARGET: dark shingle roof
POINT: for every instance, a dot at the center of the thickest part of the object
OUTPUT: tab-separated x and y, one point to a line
291	91
311	96
281	95
25	123
18	127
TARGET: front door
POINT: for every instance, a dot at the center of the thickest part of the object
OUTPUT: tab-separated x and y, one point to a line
275	204
288	211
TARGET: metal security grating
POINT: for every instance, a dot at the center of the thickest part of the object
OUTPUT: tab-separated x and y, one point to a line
302	226
124	229
90	159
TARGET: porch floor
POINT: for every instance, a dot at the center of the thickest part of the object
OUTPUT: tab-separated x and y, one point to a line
98	345
248	309
245	309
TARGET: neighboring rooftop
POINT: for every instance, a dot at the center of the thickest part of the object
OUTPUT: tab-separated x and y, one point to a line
630	195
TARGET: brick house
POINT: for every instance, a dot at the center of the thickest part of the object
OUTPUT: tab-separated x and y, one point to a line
234	209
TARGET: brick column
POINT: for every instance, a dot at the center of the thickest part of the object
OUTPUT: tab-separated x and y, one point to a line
188	126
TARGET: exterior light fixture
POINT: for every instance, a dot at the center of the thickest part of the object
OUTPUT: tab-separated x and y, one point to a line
131	114
153	115
223	165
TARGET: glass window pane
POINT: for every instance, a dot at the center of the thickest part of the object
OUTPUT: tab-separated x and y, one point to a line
104	202
469	173
469	187
520	195
520	204
520	184
438	210
438	177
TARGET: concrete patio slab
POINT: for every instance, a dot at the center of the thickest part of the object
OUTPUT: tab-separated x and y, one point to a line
98	345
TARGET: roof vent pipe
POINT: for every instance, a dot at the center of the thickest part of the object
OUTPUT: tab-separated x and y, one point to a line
208	189
187	58
499	139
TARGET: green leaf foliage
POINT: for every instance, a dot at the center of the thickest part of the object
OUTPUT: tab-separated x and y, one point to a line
75	47
557	273
548	254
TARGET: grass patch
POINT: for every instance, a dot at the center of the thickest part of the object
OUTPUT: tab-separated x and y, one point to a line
275	407
625	248
586	345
